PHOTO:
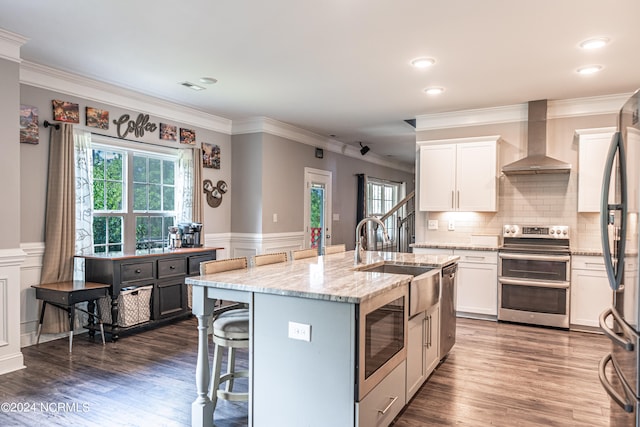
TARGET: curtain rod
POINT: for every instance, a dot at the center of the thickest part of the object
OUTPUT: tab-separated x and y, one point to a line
142	142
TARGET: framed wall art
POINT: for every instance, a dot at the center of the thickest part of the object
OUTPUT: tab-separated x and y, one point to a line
64	111
210	156
29	127
97	118
187	136
168	132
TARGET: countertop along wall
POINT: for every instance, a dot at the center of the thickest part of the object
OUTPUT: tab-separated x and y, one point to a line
522	199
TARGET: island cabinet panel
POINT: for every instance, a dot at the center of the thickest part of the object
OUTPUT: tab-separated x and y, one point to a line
166	272
315	380
380	407
422	348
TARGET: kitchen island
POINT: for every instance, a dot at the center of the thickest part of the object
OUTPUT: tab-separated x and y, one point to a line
311	381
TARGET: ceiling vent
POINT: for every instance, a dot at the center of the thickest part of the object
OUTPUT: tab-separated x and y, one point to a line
537	161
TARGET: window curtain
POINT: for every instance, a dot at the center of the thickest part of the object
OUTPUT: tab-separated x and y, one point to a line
190	208
184	211
83	200
198	190
57	262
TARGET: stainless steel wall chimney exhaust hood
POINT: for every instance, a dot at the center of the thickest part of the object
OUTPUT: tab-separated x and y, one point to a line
537	160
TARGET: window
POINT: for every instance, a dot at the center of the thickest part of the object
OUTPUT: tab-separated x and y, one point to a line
382	196
134	194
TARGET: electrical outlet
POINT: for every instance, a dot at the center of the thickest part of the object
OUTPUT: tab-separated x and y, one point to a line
433	224
299	331
275	217
452	225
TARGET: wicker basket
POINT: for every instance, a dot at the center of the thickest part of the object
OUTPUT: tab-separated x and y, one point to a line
134	306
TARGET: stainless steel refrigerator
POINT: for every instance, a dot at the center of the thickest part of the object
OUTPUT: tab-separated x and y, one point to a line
618	371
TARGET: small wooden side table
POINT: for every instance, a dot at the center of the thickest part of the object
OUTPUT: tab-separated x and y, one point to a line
65	295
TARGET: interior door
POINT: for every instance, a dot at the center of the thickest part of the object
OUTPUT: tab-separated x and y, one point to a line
317	209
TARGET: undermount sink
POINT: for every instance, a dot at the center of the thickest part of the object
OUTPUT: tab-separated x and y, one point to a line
413	270
424	289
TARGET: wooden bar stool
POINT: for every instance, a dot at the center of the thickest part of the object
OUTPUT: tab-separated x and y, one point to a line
334	249
230	331
304	253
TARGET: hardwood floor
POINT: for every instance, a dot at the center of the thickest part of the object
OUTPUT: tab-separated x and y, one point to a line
501	374
496	375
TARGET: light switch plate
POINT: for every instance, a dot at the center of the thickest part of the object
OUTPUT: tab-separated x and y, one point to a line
275	217
433	224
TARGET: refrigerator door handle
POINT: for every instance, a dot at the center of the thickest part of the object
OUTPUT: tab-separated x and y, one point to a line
614	273
627	344
625	402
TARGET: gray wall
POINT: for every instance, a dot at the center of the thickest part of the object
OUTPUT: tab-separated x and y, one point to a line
246	174
282	184
9	160
34	161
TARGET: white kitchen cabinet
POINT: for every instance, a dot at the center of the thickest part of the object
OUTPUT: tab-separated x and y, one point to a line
383	403
590	291
593	145
477	284
477	293
459	174
422	348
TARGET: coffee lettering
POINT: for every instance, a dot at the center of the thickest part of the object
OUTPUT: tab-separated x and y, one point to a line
125	126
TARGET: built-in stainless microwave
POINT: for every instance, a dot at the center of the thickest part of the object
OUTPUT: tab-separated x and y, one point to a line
382	338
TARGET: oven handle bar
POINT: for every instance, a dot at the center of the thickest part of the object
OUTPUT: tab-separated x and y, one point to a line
533	283
534	257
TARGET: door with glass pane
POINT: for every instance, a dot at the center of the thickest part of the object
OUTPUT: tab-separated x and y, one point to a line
317	209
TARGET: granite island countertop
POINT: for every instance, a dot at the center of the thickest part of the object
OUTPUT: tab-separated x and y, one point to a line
330	277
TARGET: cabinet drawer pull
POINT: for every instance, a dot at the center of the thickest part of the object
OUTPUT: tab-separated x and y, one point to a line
393	400
138	271
172	267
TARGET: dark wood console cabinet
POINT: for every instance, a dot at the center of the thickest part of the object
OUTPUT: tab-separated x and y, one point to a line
164	270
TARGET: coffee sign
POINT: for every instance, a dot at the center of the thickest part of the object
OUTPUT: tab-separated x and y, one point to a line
125	125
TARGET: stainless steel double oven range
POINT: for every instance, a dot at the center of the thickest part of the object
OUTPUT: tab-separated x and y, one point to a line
534	275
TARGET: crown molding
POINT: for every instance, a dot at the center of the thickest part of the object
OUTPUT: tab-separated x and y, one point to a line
10	44
575	107
44	77
284	130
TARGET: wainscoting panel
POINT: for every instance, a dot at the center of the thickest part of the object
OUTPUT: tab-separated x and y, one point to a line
10	356
249	244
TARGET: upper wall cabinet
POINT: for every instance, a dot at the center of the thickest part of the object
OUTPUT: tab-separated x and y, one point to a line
593	145
459	174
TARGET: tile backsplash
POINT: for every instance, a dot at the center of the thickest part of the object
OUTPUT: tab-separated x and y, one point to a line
522	199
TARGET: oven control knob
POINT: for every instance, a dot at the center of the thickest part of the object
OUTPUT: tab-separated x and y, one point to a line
553	231
512	230
564	232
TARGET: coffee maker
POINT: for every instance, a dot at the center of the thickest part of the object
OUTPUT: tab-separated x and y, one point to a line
191	234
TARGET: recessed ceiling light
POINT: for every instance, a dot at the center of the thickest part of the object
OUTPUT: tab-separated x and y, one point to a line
191	86
423	62
589	69
434	90
594	43
208	80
